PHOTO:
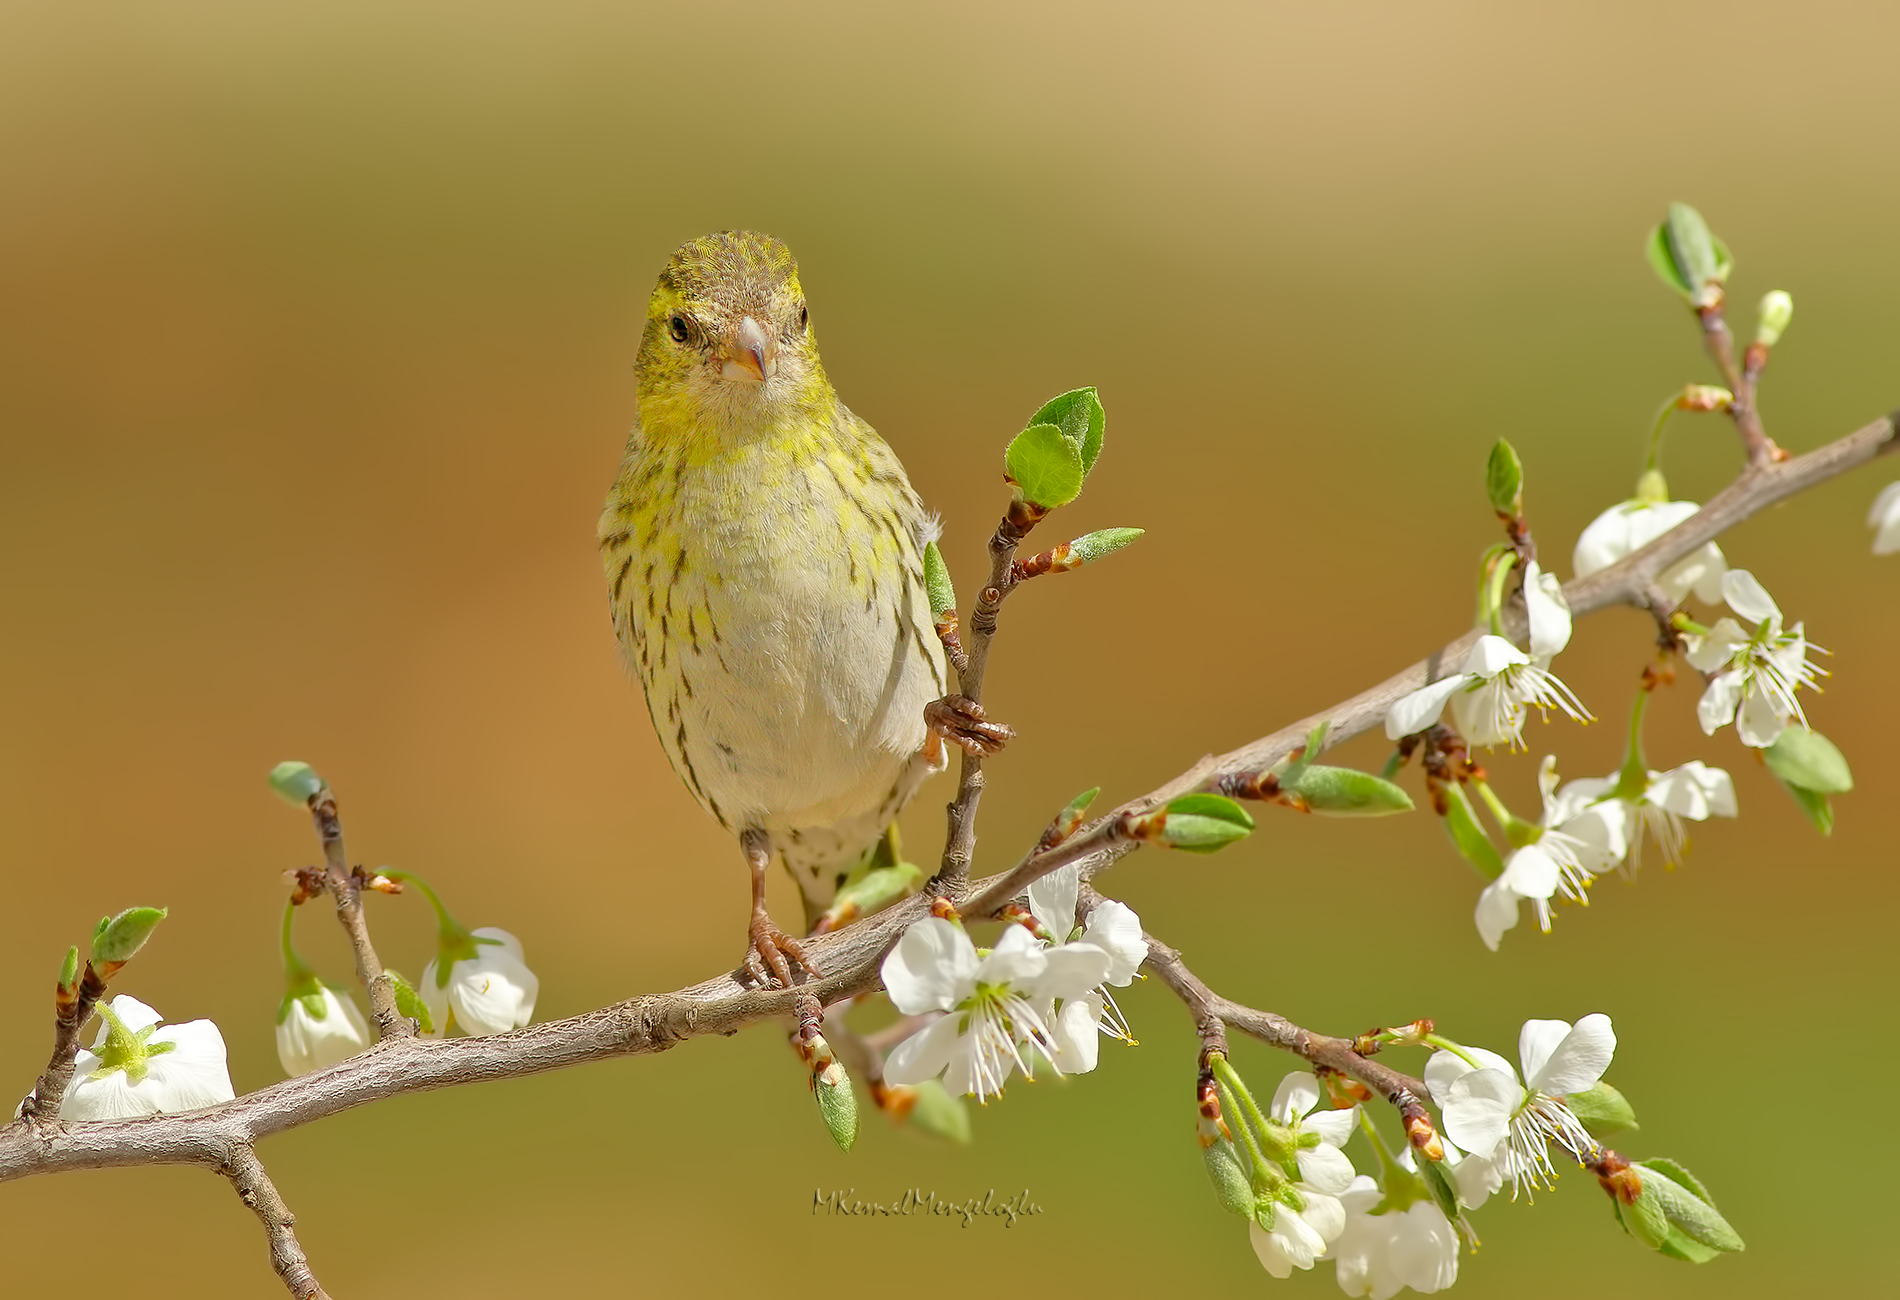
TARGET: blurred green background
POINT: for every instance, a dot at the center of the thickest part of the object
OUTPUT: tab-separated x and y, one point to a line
316	364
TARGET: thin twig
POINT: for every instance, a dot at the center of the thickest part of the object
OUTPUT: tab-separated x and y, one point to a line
342	884
69	1017
256	1190
1759	447
959	842
1316	1049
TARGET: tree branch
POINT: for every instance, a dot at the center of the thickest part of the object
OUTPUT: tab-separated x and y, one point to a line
402	1063
256	1190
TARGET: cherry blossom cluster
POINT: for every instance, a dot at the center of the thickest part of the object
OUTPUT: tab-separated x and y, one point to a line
478	983
1039	999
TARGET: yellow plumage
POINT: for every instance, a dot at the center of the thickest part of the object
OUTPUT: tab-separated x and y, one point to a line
763	552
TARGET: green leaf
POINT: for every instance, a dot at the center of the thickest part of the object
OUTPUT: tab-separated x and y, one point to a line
878	888
1226	1169
1688	1208
1091	547
122	936
1080	416
409	1003
1504	479
1603	1110
1663	263
938	1114
1462	824
1343	792
1080	804
296	782
1045	466
838	1105
943	593
1810	760
1702	262
1204	823
69	970
1438	1182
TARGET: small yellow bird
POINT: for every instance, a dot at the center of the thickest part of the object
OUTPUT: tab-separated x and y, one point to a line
764	560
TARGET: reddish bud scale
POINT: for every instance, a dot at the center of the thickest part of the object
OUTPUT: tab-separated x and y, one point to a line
305	883
1418	1129
1145	826
1209	1127
943	911
837	917
1022	515
952	643
1617	1176
1057	559
1060	829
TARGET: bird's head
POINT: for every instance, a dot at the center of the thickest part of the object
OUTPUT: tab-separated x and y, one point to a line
728	337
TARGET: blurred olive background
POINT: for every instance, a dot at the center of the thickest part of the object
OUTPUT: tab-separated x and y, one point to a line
316	364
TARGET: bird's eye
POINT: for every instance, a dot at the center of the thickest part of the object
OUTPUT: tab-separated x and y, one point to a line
676	326
803	316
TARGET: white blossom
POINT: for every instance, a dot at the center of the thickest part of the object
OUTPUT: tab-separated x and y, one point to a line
1693	792
1309	1216
1076	1023
1489	697
1635	524
1884	519
1577	841
490	992
1491	1115
1380	1254
991	1004
317	1029
138	1065
1756	669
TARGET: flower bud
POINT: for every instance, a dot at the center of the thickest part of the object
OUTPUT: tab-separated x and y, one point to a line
1772	317
296	782
1689	258
1504	480
942	592
118	938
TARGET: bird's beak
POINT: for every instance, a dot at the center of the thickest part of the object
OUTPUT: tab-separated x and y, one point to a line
750	353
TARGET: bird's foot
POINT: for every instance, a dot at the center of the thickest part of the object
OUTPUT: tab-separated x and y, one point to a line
773	953
960	720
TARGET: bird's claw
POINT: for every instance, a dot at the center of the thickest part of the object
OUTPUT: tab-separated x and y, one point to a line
772	955
960	720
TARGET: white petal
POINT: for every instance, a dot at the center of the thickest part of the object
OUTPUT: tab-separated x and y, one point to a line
1072	970
1695	791
1578	1061
1324	1169
932	968
1018	958
305	1043
1491	655
1478	1109
193	1073
1760	721
1701	572
1334	1127
1530	872
1885	517
493	993
1078	1036
1323	1213
1266	1248
110	1096
1716	708
924	1054
1052	900
1297	1094
1547	611
1446	1068
503	940
435	997
1420	709
1712	652
1605	540
1747	597
1496	913
1115	929
1535	1043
